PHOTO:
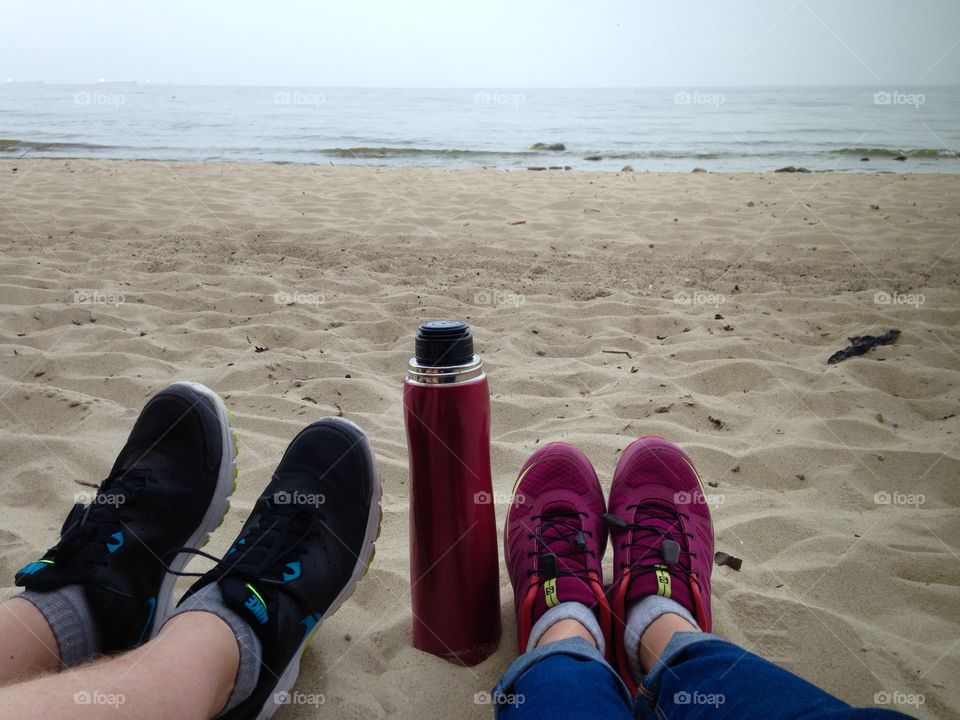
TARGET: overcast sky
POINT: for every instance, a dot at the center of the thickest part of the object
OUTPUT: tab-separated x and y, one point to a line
485	43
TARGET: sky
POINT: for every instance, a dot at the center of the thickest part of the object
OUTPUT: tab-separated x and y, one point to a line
485	43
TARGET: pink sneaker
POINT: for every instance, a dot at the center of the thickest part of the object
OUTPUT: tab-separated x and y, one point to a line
555	537
662	534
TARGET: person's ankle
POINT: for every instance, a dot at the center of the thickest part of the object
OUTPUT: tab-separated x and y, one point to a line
657	636
642	648
564	621
564	630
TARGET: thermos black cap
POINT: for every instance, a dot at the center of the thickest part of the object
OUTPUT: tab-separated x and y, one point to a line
444	343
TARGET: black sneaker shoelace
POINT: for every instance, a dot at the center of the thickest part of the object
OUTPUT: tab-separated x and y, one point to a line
260	553
561	535
87	529
656	544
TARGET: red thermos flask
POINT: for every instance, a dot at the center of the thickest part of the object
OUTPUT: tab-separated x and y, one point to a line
454	561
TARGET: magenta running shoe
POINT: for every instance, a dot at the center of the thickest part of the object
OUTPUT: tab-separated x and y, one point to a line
661	532
555	537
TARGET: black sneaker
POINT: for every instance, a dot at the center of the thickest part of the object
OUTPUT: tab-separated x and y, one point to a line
308	542
168	488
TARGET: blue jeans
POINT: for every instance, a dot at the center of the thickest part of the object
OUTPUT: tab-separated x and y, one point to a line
698	675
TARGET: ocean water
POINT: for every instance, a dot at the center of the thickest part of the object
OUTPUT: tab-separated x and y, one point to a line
719	129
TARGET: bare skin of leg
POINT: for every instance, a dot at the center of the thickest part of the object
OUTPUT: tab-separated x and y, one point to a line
564	629
186	672
29	647
652	643
655	638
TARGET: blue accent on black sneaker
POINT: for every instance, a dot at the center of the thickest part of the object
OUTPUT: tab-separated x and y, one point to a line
294	571
35	567
115	543
152	609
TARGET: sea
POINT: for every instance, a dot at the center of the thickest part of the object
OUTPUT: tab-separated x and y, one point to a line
737	129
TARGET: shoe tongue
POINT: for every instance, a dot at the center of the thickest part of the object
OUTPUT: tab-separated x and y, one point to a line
554	589
659	567
561	567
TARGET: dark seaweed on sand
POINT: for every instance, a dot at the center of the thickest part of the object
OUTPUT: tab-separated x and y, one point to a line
860	345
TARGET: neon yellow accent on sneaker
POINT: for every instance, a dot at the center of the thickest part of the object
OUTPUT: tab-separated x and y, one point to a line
550	592
252	589
663	581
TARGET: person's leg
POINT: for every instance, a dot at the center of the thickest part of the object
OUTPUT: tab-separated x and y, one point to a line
104	587
663	553
186	672
29	647
564	677
554	544
305	547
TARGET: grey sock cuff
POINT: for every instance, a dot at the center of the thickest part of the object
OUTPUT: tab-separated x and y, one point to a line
68	614
210	600
568	611
639	619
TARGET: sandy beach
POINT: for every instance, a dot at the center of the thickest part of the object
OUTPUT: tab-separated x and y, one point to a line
699	307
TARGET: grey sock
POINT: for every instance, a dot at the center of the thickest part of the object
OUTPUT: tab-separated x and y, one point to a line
68	613
210	600
639	619
567	611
